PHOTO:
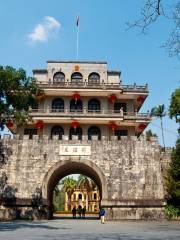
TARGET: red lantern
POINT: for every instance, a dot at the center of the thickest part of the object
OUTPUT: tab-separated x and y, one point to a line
113	98
9	124
76	96
142	126
141	99
40	96
75	124
39	124
113	126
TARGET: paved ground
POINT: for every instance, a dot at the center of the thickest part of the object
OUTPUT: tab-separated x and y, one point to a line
65	229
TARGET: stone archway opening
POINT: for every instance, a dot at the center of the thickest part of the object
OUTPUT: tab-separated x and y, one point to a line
65	168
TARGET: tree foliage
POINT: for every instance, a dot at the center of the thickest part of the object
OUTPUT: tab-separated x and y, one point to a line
174	108
17	93
69	185
85	182
151	11
173	177
159	112
150	134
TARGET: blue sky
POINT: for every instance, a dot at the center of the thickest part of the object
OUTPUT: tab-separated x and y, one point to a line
33	32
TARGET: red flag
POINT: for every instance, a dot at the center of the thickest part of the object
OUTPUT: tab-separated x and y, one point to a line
77	22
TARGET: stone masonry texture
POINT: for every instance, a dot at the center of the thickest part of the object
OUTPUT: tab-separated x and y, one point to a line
128	173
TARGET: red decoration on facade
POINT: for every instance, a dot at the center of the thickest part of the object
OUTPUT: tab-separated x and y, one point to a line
76	68
113	126
142	126
76	96
141	99
9	124
39	124
75	124
113	98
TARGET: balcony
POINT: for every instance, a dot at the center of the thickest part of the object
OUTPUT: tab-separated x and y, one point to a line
85	85
85	113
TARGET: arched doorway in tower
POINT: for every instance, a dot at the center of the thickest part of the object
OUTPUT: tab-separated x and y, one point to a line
74	184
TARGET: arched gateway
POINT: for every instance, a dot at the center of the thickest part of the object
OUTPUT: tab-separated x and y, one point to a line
72	166
87	122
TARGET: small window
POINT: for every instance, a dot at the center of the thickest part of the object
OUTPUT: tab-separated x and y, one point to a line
77	131
80	196
76	78
94	130
118	106
95	196
57	131
120	133
94	79
76	106
58	105
94	105
59	77
30	132
34	106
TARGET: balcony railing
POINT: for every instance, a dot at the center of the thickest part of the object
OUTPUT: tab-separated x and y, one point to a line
85	85
89	113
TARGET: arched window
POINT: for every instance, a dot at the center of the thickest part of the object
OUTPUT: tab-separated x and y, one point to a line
76	78
76	106
120	133
80	196
94	79
57	130
30	132
58	105
94	131
94	105
34	106
118	106
75	131
59	77
95	196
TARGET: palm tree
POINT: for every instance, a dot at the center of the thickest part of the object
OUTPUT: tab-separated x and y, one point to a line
159	112
69	185
86	183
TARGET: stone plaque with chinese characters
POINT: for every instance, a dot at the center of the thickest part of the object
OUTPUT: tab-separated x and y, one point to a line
75	150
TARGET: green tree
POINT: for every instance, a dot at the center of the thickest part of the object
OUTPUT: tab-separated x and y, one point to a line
159	112
85	182
174	108
17	93
149	134
173	177
69	185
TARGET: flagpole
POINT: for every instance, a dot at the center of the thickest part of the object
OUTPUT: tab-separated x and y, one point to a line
77	46
77	50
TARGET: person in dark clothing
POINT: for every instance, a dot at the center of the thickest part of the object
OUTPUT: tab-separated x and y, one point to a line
102	215
79	210
83	212
74	212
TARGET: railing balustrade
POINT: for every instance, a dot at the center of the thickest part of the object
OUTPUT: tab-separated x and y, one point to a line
87	112
99	85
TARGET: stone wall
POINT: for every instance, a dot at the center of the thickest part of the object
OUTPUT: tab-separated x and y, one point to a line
129	170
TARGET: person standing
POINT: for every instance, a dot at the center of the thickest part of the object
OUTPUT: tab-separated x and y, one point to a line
74	212
83	212
102	215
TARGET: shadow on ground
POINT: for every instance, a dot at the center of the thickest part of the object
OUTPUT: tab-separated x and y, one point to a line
56	217
12	226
